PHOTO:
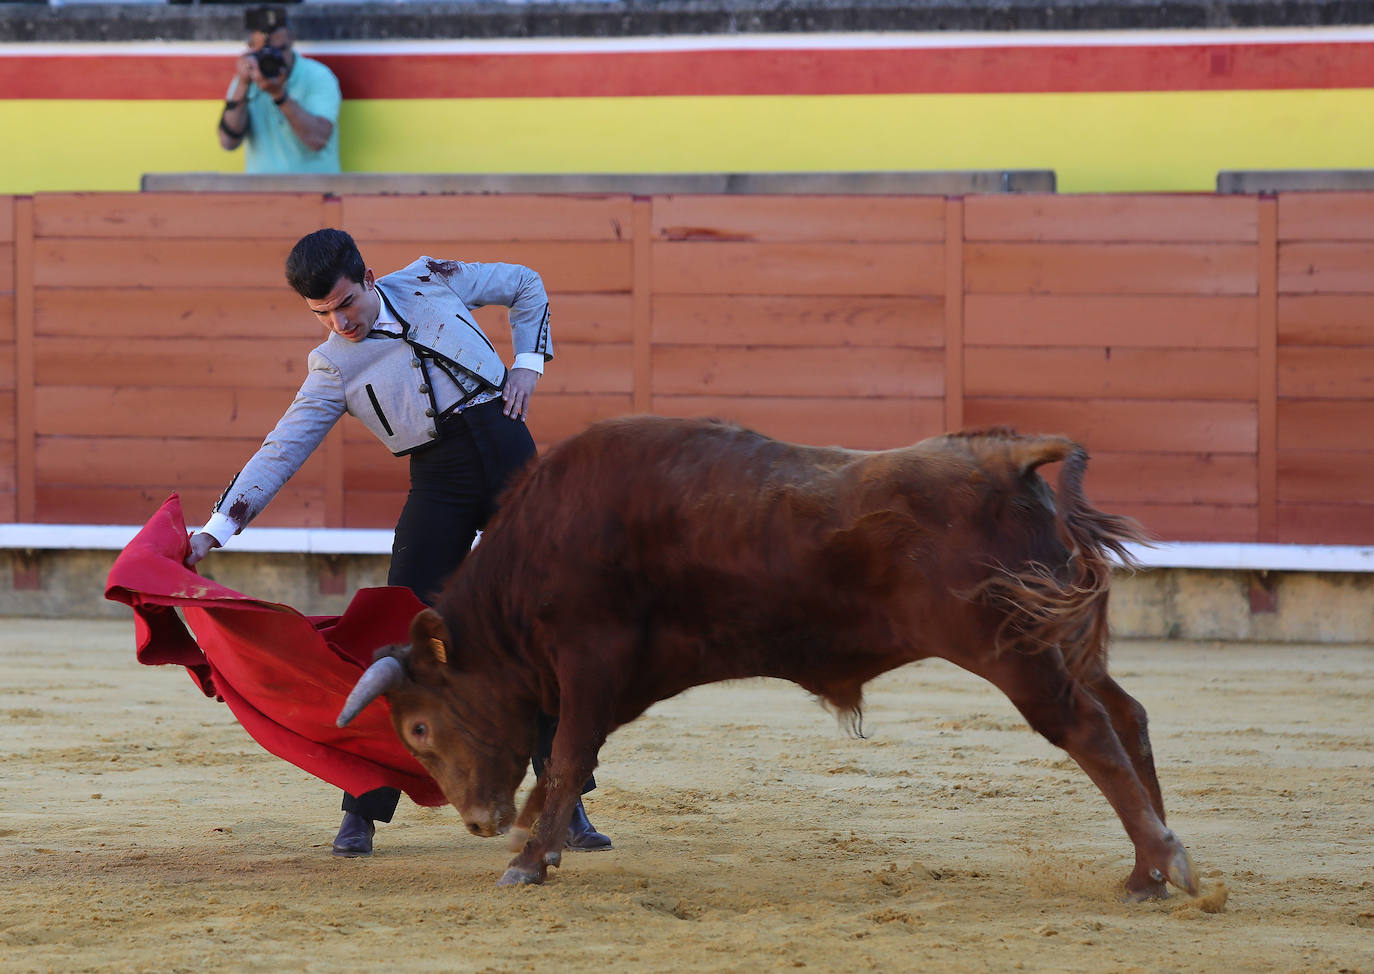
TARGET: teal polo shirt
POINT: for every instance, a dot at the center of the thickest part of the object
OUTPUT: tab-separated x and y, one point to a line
271	146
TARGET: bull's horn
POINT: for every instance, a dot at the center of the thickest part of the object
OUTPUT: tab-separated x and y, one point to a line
383	675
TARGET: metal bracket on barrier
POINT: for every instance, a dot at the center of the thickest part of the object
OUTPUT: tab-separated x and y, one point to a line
26	577
333	576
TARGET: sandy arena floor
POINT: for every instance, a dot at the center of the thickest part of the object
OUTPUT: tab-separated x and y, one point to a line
143	830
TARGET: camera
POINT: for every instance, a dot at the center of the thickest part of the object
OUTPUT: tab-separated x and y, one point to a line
271	61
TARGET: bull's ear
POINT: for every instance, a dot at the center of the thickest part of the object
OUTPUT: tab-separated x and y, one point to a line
429	638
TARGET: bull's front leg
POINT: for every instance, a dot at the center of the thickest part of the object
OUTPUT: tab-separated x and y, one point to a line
529	814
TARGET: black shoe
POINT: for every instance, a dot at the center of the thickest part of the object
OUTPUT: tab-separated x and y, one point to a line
355	836
582	837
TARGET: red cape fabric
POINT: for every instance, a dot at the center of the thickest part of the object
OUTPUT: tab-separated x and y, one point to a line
284	675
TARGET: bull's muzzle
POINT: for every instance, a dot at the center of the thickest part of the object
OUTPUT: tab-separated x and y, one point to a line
383	675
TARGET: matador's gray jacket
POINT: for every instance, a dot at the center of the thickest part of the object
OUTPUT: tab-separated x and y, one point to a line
385	383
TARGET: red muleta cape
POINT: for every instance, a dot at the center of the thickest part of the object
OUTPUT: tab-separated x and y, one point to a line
284	675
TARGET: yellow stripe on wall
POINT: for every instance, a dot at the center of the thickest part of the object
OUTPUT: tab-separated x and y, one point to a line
1096	142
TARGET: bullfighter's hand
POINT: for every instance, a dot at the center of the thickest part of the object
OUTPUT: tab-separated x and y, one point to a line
201	543
517	391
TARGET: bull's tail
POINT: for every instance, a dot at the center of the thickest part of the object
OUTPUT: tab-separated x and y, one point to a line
1065	606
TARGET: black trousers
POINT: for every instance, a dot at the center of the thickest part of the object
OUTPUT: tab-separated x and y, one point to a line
454	486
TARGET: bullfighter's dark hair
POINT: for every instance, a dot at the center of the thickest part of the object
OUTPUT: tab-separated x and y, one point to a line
319	259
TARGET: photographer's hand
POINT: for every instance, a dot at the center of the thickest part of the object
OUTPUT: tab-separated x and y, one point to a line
233	123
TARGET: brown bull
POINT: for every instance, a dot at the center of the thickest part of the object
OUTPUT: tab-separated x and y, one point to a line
648	555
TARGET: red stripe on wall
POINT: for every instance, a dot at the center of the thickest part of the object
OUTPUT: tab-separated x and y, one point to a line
1199	67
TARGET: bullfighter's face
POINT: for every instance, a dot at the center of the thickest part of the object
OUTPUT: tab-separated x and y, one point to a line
350	309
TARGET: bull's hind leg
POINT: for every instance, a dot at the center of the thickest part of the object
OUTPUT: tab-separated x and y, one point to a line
1132	729
1071	717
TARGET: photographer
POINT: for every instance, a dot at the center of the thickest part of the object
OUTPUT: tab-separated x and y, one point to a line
283	108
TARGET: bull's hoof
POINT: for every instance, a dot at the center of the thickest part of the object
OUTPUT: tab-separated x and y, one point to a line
520	877
1154	884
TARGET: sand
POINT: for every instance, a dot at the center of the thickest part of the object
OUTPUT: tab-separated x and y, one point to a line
142	830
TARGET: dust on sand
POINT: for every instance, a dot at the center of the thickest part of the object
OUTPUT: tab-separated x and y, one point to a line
143	830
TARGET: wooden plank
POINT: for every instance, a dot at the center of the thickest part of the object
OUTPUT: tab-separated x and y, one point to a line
1195	522
954	349
496	217
271	311
772	371
1310	267
6	219
786	217
292	508
1128	268
860	424
7	410
599	368
642	307
1326	216
584	267
560	416
1326	319
1170	478
145	263
375	509
1267	377
574	318
711	319
6	318
1326	477
195	216
1153	320
25	390
1326	524
133	461
799	268
7	376
8	507
366	467
1121	373
208	363
106	411
1152	217
1327	373
1162	426
7	267
8	480
1334	424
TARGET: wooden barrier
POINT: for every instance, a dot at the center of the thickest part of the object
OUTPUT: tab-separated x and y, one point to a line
1215	353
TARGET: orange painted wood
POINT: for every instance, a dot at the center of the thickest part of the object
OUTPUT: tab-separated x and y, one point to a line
1194	522
799	268
375	509
134	505
1126	425
573	318
1307	268
332	449
582	367
368	467
785	217
1267	385
642	308
955	365
1326	216
1327	373
712	319
7	415
8	507
1127	373
1335	424
1153	320
1307	476
81	262
6	318
7	475
197	216
573	266
1326	523
117	411
200	363
25	390
7	266
274	311
772	371
555	416
860	424
7	377
132	461
1127	268
1326	319
496	217
6	219
1153	217
1169	478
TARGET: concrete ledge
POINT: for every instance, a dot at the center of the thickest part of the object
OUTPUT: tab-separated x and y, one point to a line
907	183
1293	180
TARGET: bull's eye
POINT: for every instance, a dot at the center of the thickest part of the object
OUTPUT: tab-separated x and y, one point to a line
419	730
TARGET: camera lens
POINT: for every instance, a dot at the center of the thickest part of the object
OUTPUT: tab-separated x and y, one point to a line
270	61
